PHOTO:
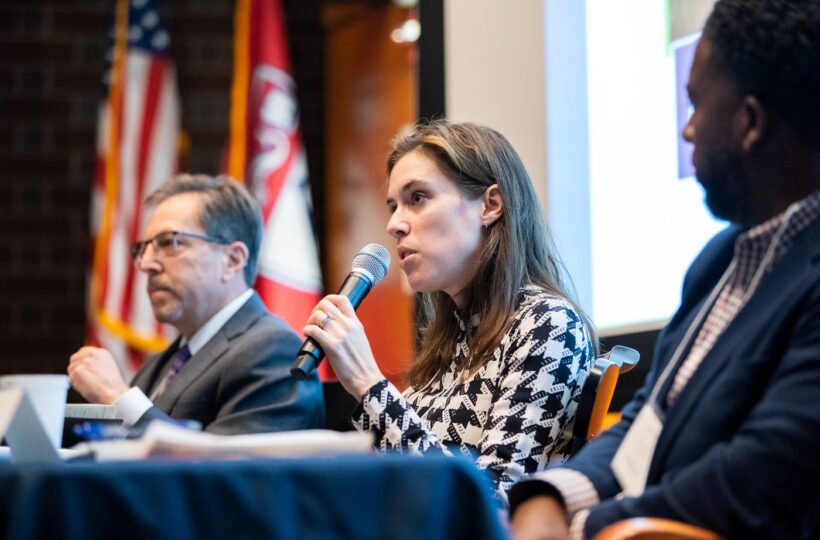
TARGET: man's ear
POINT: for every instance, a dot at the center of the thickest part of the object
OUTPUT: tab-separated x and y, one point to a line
493	207
754	119
237	259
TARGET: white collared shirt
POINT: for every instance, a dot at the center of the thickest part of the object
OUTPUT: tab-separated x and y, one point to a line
132	404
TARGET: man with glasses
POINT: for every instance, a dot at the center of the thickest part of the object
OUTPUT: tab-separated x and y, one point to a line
230	367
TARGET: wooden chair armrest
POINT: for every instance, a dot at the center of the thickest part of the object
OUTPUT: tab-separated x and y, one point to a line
654	529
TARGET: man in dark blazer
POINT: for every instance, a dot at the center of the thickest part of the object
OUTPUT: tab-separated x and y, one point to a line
725	433
229	369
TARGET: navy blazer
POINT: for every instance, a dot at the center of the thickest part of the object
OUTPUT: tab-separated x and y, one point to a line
240	381
739	452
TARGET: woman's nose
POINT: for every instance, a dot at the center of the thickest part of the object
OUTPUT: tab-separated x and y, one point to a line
397	226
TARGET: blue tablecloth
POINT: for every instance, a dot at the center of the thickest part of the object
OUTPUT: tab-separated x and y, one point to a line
361	497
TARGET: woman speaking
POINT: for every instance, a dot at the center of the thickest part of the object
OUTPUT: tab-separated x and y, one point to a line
504	348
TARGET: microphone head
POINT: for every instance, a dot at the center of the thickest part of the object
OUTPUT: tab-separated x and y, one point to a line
372	259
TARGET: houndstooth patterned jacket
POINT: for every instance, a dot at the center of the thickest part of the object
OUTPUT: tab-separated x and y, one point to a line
514	416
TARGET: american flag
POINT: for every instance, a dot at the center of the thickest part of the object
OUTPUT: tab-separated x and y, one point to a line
137	135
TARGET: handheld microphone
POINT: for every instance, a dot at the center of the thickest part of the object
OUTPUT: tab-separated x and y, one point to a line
369	267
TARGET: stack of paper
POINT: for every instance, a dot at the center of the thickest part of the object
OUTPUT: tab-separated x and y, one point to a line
164	440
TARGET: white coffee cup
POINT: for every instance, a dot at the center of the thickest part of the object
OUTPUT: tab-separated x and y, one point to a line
48	395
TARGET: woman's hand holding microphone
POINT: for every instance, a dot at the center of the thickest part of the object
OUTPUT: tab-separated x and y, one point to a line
333	323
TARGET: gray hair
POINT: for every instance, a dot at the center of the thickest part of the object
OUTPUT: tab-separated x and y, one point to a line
228	211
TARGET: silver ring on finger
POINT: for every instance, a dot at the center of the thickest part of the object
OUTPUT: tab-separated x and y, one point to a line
326	320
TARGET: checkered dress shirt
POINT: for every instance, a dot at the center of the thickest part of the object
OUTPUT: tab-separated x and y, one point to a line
750	251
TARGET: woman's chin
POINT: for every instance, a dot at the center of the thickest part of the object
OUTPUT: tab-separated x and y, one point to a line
418	285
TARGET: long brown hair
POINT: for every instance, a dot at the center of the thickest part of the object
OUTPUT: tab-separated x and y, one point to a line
517	249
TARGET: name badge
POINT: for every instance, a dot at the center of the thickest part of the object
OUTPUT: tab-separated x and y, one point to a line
632	460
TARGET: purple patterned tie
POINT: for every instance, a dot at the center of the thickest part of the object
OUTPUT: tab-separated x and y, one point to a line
180	357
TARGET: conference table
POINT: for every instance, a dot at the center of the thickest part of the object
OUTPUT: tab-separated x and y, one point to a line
354	496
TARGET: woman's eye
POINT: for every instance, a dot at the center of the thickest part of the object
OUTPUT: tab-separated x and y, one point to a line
417	197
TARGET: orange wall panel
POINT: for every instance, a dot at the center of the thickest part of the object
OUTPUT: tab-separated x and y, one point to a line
371	84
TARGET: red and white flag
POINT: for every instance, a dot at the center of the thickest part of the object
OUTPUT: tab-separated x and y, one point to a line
137	140
266	153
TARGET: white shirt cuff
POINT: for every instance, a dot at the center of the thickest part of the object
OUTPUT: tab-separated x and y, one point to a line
131	406
576	489
576	527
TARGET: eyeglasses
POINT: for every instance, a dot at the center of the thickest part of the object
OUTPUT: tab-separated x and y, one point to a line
167	243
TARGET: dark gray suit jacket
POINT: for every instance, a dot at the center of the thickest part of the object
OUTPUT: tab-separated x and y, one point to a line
240	381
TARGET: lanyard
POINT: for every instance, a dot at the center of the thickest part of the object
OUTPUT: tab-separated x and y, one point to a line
708	304
687	337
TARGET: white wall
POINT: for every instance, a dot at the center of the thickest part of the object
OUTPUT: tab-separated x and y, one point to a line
497	63
494	73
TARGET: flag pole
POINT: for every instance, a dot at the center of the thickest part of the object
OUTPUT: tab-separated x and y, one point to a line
111	153
239	91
